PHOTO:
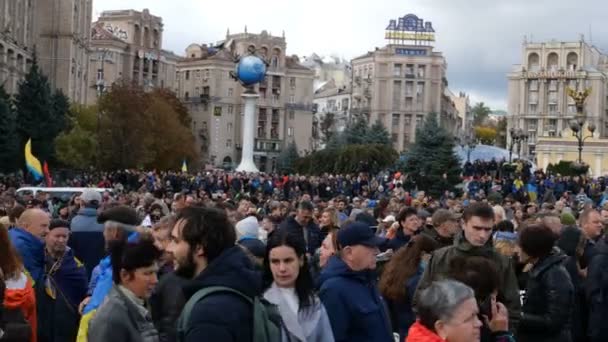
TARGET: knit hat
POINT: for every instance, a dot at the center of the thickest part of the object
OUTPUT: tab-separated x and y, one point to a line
568	219
120	214
247	228
58	223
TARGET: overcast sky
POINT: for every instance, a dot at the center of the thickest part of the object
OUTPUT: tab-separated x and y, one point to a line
480	41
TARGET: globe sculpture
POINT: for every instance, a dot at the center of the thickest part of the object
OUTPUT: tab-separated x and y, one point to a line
250	70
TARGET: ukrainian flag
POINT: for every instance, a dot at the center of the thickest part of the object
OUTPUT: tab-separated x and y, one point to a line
184	166
31	162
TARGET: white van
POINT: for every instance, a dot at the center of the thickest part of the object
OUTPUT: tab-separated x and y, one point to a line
57	192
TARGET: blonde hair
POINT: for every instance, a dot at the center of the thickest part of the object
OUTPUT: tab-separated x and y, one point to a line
498	210
505	247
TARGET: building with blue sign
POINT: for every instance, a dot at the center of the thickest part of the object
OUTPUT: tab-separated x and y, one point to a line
403	81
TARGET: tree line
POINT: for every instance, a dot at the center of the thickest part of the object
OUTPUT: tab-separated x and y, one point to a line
127	127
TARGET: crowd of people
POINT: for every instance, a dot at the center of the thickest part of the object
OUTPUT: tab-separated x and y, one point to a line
221	256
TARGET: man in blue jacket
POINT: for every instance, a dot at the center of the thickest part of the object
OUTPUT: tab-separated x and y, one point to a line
28	239
349	291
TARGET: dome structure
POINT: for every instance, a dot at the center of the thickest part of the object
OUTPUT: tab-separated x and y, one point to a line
487	153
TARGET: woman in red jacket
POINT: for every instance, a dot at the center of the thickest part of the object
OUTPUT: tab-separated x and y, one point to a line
19	292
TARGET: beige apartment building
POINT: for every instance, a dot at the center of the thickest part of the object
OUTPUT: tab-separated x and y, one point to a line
538	102
463	108
127	44
399	85
59	32
284	111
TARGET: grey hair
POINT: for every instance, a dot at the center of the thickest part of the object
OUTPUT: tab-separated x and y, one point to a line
440	300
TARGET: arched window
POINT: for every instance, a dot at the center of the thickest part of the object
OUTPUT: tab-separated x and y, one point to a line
533	62
552	61
572	61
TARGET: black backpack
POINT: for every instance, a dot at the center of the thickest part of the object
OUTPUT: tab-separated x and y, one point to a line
13	325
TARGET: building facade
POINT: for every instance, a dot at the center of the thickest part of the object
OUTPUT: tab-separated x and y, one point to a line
58	30
329	69
17	40
62	44
538	102
284	112
463	108
402	82
127	45
334	101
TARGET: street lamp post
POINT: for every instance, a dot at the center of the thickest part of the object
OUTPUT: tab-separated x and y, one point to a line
577	124
517	137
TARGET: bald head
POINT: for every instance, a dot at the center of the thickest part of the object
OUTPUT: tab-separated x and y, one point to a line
36	222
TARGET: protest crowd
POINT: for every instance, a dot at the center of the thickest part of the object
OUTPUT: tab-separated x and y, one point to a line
228	256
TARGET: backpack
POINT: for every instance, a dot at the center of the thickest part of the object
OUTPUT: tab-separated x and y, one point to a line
15	326
266	317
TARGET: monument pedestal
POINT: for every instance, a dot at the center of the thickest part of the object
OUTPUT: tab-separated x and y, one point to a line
247	165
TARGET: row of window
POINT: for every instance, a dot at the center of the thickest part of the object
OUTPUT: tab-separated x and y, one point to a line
410	70
552	61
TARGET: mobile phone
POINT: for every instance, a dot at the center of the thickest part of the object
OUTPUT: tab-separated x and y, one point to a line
485	307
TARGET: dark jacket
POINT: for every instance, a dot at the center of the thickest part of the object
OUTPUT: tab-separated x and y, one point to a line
224	316
313	233
597	294
356	311
402	313
398	241
58	318
166	304
86	238
441	241
439	265
547	304
120	319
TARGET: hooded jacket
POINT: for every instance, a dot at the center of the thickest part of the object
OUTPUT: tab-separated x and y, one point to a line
232	269
439	264
31	250
86	238
313	233
355	308
548	303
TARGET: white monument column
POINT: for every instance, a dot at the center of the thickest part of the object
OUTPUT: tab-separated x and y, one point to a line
247	165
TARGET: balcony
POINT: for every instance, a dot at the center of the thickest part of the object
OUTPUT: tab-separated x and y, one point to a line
267	145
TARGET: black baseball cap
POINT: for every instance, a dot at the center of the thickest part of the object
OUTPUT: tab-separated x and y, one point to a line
358	233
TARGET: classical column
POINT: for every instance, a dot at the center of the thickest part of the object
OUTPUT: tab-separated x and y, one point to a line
598	165
247	165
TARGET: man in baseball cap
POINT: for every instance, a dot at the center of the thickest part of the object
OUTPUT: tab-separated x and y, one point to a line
348	285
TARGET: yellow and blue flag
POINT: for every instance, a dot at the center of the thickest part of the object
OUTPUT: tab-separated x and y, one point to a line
184	166
31	162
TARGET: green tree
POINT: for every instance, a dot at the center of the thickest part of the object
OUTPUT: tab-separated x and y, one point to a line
77	147
348	159
326	126
9	141
431	161
356	132
377	134
288	157
480	114
36	113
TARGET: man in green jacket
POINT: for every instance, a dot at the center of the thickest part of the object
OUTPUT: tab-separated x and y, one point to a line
475	240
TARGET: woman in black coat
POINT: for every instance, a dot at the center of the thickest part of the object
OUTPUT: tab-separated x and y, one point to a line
549	298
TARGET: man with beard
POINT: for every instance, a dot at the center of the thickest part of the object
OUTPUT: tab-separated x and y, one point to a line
203	244
64	286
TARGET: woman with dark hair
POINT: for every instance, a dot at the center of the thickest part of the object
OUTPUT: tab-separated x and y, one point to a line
481	274
123	316
19	304
549	298
289	285
400	279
